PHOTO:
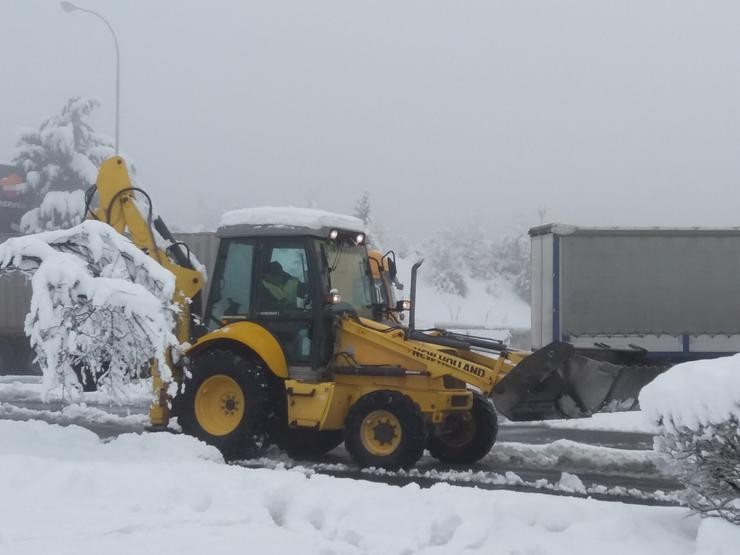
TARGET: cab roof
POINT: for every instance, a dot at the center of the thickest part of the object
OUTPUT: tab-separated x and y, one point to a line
271	220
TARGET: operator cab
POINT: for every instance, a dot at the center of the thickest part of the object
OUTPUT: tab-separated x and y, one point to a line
291	270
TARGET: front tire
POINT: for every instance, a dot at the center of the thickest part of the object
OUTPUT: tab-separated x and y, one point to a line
465	437
225	401
385	429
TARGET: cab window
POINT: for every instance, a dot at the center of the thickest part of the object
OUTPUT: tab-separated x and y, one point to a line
230	295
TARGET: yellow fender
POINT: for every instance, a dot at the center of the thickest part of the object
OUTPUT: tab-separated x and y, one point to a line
253	337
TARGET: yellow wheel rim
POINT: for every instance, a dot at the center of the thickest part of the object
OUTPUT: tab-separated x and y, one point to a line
219	405
380	433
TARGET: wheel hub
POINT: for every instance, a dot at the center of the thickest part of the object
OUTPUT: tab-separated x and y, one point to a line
457	430
230	405
384	433
380	433
219	405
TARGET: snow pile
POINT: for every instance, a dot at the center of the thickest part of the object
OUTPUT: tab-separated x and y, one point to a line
629	421
65	492
99	307
423	474
694	394
290	216
572	483
82	415
574	455
697	405
13	389
39	439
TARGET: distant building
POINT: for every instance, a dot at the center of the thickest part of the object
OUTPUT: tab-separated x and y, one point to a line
12	203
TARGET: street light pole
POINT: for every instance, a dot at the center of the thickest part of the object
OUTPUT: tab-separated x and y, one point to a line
70	7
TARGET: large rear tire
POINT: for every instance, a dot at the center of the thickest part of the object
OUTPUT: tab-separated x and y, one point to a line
225	401
465	437
385	429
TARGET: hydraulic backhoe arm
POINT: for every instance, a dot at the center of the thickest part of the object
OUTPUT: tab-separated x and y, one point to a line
118	208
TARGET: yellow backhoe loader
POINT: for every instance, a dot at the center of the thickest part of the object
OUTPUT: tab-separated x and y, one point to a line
302	345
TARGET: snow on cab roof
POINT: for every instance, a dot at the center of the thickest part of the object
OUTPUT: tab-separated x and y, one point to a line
272	216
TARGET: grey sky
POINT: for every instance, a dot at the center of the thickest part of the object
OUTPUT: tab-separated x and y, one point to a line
608	113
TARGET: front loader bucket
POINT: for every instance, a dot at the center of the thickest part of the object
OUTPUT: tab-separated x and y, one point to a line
558	382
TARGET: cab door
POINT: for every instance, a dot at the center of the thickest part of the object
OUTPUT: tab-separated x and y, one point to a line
285	300
232	284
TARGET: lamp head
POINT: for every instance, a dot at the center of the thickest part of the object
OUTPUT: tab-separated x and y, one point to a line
68	6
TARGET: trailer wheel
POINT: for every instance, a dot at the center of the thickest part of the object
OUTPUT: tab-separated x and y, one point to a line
385	429
307	443
465	437
225	401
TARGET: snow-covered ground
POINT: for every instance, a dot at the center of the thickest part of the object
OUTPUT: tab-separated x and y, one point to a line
30	388
632	421
79	414
65	491
573	454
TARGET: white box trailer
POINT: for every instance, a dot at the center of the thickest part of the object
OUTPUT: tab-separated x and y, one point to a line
673	292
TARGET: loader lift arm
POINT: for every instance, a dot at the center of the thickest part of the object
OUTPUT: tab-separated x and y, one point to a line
118	208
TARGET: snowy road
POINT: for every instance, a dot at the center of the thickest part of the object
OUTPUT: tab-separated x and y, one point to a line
560	458
67	492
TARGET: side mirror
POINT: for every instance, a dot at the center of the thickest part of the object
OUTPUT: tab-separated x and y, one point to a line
392	268
403	305
390	262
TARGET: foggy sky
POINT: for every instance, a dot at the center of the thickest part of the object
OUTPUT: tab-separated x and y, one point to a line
599	112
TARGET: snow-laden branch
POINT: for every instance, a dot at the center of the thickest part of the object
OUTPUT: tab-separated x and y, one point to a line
100	306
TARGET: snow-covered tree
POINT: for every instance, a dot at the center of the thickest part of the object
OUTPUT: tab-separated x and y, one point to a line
375	235
98	303
446	266
61	160
456	253
511	259
362	209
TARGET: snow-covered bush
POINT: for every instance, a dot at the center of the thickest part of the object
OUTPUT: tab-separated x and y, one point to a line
99	303
697	406
61	156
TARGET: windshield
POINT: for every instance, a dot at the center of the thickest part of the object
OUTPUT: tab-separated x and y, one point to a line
349	274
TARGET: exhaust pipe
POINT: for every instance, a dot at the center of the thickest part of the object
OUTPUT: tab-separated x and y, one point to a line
412	312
